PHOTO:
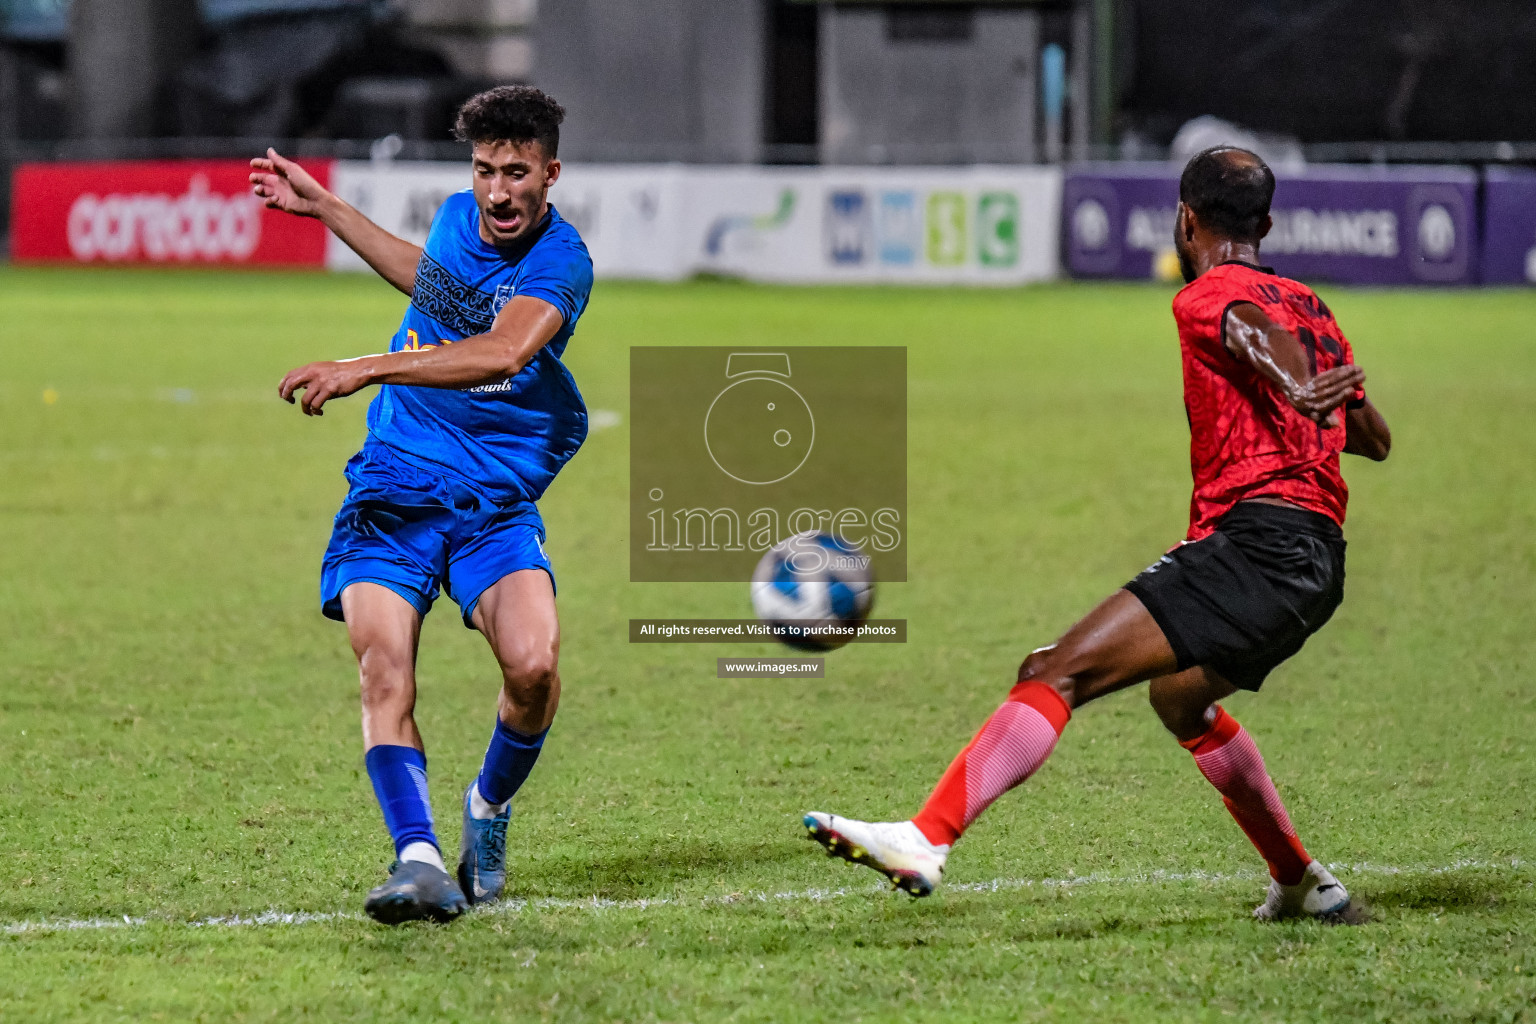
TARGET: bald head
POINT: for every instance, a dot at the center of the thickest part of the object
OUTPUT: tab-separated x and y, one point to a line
1229	190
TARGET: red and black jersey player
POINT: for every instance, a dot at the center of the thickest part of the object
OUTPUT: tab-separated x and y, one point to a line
1274	397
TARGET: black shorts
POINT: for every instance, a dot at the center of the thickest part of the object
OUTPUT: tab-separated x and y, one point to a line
1247	597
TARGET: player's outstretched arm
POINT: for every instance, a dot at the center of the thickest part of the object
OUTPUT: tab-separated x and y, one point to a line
284	185
1278	355
523	326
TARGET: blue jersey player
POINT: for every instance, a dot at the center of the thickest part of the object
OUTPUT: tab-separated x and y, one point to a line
474	416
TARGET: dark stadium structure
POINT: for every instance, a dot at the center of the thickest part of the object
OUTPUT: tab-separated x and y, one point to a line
1344	70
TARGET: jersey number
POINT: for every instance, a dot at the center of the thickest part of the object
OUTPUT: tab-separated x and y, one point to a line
1311	342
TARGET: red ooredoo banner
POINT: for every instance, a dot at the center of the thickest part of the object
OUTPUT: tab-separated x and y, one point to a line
171	211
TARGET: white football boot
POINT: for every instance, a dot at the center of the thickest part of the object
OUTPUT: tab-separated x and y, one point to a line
1318	894
896	849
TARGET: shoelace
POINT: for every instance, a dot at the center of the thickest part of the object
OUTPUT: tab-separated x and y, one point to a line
493	854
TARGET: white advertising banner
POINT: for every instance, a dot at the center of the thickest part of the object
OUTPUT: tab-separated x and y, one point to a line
978	225
629	215
401	197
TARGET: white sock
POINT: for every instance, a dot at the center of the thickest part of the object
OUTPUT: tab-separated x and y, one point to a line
426	853
481	808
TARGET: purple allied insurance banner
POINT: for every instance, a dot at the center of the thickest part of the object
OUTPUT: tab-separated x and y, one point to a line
1342	223
1509	226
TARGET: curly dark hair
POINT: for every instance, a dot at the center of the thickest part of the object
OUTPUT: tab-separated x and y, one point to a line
1230	190
511	113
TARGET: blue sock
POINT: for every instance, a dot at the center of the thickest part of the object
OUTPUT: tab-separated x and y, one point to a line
399	777
508	760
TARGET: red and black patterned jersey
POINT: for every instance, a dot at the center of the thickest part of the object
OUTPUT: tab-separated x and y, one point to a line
1245	439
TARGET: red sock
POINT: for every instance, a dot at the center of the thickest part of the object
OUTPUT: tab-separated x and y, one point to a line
1228	758
1014	742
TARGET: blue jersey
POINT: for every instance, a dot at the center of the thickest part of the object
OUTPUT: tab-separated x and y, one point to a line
510	437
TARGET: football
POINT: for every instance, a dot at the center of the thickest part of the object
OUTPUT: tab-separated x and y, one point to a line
814	590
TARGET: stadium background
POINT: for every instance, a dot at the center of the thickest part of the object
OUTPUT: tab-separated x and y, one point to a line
677	108
184	831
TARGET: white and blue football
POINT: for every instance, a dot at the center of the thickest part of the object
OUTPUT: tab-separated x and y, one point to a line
814	590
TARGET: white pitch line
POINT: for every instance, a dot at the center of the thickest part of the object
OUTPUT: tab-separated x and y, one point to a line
597	903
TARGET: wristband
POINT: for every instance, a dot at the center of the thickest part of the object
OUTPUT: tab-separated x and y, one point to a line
1358	402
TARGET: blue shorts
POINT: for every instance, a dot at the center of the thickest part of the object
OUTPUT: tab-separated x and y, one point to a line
411	530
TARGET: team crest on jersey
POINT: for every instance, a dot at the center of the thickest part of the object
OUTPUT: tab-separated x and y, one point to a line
504	293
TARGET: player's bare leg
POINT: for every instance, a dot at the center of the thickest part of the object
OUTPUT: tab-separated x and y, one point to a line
385	632
1114	646
1185	702
517	616
384	629
1227	756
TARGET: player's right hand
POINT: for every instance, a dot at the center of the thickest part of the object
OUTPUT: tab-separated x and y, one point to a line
324	381
284	185
1319	398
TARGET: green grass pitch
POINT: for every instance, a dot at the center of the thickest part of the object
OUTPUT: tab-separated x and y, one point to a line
178	725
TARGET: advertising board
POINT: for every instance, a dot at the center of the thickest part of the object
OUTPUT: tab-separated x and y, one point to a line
974	225
629	215
1509	226
173	211
1353	225
811	225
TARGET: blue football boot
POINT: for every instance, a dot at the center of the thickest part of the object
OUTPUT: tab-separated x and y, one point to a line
483	853
416	892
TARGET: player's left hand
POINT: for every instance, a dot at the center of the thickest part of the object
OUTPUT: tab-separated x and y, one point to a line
322	382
